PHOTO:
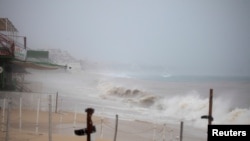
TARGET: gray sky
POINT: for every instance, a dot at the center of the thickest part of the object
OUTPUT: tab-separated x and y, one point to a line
196	36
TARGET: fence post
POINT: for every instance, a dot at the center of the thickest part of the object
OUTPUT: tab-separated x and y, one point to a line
8	121
56	102
50	118
210	119
90	127
101	128
116	127
75	115
181	131
20	114
3	119
37	114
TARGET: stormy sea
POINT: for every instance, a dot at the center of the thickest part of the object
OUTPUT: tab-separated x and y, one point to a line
157	97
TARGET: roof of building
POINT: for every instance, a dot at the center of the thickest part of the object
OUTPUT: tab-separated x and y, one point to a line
6	25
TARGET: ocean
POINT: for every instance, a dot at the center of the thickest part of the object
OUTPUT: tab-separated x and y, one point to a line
157	98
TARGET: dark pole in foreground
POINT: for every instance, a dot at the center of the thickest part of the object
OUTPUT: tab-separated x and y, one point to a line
89	111
116	127
90	127
210	119
181	131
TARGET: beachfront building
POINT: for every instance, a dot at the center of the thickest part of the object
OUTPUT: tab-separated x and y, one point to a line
11	50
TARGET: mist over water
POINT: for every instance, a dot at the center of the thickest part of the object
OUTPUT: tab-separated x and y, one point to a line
164	97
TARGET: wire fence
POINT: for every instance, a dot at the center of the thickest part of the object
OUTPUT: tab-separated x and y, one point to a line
49	113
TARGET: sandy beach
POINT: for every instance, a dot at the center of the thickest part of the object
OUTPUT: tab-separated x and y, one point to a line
64	124
30	131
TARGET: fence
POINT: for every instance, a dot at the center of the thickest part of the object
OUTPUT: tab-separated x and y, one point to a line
50	113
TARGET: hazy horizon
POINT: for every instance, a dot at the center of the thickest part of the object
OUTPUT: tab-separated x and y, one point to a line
191	37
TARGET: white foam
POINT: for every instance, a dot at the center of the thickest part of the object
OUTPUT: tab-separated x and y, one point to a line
189	107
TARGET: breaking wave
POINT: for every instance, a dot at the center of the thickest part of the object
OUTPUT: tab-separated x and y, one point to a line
132	96
188	107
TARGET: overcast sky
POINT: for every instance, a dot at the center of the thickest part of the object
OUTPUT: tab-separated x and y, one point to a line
203	36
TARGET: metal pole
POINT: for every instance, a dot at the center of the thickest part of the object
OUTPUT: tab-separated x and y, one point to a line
101	128
181	131
8	122
20	114
116	127
210	118
210	107
56	102
50	118
89	111
25	42
3	119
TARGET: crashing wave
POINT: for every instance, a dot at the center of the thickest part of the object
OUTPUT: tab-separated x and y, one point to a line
128	95
189	106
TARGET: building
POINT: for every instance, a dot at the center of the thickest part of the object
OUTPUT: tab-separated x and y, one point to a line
10	50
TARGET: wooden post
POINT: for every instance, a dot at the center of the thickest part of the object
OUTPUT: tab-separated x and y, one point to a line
90	112
116	127
210	119
181	131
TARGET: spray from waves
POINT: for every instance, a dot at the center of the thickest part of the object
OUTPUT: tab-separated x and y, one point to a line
188	107
191	106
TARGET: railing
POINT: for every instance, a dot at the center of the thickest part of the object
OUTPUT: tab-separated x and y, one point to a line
7	45
13	48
